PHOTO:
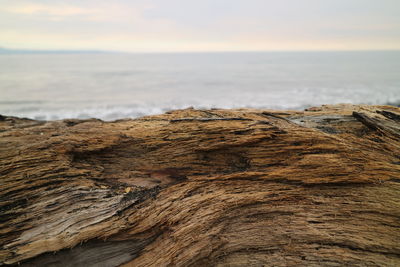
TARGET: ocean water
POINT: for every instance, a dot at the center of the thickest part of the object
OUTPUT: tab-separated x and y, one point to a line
115	85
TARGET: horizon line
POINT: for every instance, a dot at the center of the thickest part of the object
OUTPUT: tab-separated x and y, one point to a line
29	50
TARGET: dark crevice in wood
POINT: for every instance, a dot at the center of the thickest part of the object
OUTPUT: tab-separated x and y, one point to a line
93	253
208	119
389	115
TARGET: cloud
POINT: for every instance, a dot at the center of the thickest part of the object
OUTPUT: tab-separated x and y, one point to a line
40	9
101	10
191	25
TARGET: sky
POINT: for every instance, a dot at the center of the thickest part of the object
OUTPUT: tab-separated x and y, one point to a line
200	25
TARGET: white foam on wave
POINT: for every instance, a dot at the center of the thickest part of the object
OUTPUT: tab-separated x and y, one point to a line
297	101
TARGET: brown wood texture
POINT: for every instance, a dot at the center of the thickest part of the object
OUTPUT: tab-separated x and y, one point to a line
204	188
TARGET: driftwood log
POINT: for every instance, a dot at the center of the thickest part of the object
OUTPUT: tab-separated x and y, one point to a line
203	188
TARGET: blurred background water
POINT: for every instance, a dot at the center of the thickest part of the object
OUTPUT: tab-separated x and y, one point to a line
116	85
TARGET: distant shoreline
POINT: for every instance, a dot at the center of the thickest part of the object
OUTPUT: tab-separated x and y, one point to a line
4	51
7	51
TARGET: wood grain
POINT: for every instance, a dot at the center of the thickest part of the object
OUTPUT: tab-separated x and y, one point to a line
193	187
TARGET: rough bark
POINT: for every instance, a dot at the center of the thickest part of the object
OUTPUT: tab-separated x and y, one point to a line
204	188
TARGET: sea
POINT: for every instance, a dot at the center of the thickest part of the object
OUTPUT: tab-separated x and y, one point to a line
110	86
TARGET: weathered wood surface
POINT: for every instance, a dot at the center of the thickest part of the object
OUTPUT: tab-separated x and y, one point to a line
204	188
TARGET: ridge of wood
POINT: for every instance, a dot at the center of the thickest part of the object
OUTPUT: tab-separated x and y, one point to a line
241	187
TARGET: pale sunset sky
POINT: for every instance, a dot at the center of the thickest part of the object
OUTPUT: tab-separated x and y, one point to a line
200	25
